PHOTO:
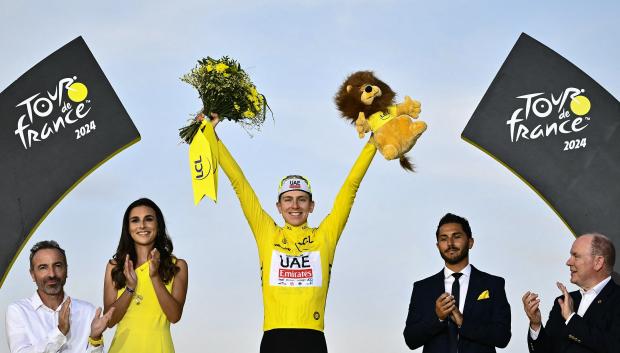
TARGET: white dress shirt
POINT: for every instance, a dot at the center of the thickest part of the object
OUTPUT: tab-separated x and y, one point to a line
32	327
463	282
587	297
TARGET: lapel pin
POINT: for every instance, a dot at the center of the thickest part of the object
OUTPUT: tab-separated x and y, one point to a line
599	301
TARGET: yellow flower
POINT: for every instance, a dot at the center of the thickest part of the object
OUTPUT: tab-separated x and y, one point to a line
209	67
248	114
237	107
221	67
258	102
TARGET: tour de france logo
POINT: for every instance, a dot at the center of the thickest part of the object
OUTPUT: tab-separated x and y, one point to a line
543	115
49	112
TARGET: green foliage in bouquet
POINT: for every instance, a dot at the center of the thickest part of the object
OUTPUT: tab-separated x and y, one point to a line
227	90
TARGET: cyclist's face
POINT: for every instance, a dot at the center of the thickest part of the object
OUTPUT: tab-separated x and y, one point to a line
295	206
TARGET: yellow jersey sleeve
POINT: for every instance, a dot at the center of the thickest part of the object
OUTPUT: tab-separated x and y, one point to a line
333	225
260	222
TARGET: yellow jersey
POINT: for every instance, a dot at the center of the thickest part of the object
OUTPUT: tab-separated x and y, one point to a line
295	262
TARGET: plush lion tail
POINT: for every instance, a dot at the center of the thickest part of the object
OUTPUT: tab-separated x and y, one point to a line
406	164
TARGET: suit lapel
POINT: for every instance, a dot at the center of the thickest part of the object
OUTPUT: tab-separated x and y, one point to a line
439	283
473	289
599	305
576	300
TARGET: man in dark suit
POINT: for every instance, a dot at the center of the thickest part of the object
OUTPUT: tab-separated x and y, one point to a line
587	320
460	309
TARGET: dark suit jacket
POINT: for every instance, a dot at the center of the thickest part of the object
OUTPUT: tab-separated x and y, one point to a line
486	322
597	331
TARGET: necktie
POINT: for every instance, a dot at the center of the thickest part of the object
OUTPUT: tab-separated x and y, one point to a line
456	293
456	288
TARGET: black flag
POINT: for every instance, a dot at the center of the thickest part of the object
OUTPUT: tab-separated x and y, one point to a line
558	130
58	122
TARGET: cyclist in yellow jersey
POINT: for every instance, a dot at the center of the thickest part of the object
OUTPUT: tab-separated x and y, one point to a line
295	259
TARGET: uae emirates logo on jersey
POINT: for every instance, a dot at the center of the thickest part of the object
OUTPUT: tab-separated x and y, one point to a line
296	271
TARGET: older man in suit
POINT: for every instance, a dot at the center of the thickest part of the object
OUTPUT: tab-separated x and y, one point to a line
460	309
587	320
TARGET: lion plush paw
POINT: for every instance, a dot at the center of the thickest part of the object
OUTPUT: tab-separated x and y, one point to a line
386	145
398	136
361	125
415	129
409	107
389	152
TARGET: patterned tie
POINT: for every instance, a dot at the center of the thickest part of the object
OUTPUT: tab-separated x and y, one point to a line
456	293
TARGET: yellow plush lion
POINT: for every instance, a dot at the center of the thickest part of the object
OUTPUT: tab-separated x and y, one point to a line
369	104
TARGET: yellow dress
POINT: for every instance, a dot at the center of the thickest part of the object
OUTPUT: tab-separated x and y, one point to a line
144	328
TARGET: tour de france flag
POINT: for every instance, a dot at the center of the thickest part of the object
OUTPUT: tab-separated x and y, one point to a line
559	131
58	122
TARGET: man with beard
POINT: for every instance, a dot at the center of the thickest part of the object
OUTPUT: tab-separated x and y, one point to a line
587	320
460	309
50	321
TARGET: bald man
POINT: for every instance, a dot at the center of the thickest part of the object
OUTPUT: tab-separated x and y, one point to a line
586	320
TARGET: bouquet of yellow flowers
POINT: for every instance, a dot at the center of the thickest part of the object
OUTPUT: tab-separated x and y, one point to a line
226	89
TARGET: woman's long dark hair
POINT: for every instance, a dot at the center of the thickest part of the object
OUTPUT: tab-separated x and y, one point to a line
167	269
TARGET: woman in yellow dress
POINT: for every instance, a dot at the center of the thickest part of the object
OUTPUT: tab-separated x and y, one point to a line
145	283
